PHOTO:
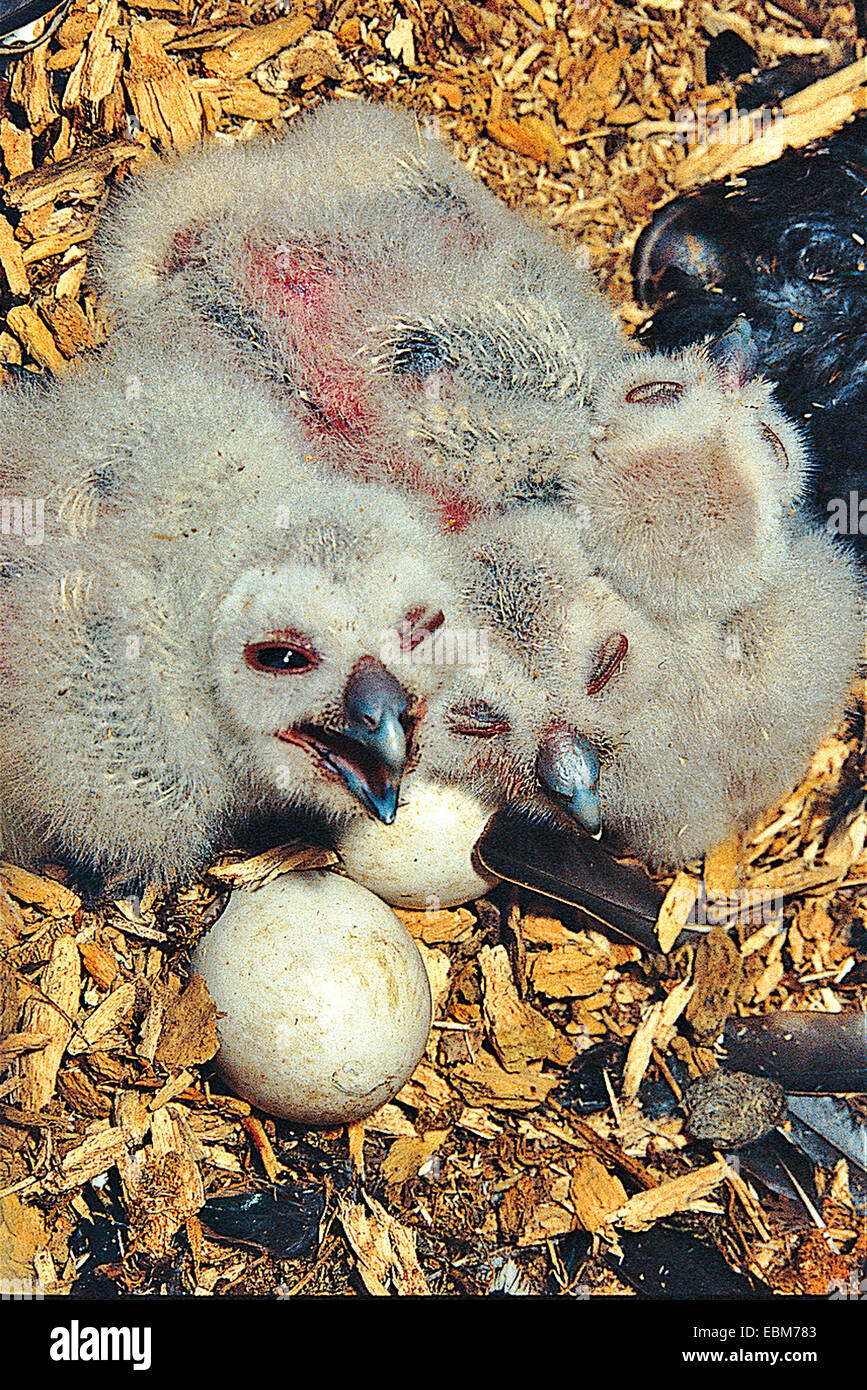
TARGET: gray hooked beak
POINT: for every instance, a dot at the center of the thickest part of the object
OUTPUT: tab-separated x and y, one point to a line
376	711
568	770
735	354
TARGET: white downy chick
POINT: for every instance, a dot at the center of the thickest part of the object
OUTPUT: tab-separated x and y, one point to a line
197	638
688	491
697	725
354	265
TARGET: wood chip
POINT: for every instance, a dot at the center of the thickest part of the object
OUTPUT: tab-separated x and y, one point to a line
640	1051
78	1092
246	100
161	93
677	908
17	147
244	53
14	1044
567	972
532	137
483	1083
527	1215
12	261
678	1194
45	893
595	1193
12	924
384	1248
188	1035
262	868
104	1018
28	327
720	872
262	1144
162	1183
102	1149
99	67
407	1157
32	89
82	230
519	1033
438	928
22	1232
60	986
68	324
438	966
81	177
100	965
811	114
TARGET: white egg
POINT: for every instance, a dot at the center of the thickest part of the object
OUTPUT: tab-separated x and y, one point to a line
325	1001
424	859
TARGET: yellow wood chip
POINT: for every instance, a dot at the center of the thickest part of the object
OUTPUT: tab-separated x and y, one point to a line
17	147
44	893
252	47
31	331
679	1194
385	1249
640	1051
60	984
104	1017
161	93
12	261
721	866
518	1032
594	1192
676	909
246	100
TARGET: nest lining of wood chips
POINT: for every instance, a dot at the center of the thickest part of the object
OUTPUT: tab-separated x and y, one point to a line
110	1112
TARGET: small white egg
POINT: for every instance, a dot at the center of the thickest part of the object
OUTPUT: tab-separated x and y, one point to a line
425	857
325	1001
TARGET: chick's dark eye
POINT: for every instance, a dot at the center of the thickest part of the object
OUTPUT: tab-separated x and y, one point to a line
278	658
655	393
478	720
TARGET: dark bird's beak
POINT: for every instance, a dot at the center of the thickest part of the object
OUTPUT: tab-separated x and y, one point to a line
369	752
735	354
377	717
554	861
568	771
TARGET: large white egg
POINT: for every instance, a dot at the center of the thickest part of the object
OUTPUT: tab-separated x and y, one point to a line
325	1001
424	859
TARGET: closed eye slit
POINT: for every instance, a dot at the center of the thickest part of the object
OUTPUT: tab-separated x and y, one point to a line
776	444
418	624
476	719
655	393
282	654
609	659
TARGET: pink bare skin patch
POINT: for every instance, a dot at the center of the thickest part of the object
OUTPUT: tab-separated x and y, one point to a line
303	298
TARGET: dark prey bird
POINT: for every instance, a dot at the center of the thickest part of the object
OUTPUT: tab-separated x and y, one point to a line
785	246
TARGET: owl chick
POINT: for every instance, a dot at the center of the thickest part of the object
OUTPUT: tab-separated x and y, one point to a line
354	266
199	632
691	480
697	723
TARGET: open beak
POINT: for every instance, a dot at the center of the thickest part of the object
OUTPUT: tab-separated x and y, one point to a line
568	771
369	753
